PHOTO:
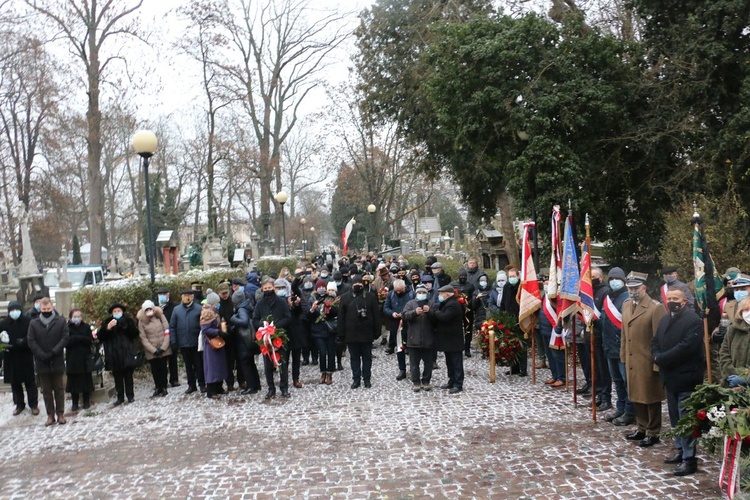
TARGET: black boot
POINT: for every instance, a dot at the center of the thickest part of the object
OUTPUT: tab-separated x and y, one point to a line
687	467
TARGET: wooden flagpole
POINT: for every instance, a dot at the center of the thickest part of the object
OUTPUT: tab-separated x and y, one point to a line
492	356
573	354
533	351
707	343
591	333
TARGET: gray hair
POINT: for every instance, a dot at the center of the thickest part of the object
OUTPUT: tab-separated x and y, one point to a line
399	284
268	279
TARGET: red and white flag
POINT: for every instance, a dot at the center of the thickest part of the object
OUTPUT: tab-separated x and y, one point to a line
555	263
529	297
345	235
612	313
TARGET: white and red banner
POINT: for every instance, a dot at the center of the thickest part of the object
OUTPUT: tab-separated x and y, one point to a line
345	235
529	297
555	263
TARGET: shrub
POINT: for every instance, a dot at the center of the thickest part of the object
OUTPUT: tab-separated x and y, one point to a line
94	301
272	265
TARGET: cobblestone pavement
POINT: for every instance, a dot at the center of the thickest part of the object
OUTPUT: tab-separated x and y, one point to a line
504	440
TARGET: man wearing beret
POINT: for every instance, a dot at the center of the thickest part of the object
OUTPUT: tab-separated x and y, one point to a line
640	320
448	320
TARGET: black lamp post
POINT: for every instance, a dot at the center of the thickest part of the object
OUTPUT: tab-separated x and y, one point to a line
282	198
371	208
302	222
145	142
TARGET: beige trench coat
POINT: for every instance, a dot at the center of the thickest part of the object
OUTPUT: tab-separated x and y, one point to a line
639	324
152	333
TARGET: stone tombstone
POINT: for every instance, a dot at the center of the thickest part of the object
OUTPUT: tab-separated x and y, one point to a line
214	254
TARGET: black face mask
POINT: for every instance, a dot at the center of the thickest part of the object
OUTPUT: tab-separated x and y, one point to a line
674	306
357	288
596	281
399	293
47	314
462	279
269	293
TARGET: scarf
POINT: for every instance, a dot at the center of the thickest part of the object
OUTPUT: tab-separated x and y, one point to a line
208	315
46	321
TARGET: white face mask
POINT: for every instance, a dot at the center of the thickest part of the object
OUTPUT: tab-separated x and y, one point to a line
746	316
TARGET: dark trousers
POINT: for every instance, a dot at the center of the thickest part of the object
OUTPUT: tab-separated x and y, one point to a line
231	352
53	392
268	369
454	361
583	353
676	407
295	358
648	418
417	356
603	378
74	398
401	355
246	362
619	377
327	353
31	391
193	366
123	383
521	363
174	375
468	331
360	356
159	372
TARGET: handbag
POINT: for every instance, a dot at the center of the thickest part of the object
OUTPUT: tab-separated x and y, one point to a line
94	361
332	326
135	360
216	342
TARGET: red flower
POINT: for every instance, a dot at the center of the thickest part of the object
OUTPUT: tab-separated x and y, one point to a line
696	434
277	342
264	350
701	415
278	356
258	335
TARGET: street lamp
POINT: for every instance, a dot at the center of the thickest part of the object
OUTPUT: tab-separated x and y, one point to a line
372	209
145	142
312	239
302	222
282	198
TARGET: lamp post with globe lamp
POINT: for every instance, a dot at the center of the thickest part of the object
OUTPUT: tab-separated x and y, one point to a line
282	198
144	142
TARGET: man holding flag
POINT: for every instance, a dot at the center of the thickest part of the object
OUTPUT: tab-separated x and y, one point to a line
529	296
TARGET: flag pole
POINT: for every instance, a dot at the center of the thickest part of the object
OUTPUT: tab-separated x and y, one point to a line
591	333
706	311
533	352
573	352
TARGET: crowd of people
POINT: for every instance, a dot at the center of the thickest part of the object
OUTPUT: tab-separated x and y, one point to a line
648	350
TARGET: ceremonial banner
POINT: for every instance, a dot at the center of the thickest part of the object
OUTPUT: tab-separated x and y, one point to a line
586	295
570	283
709	288
529	297
555	263
345	235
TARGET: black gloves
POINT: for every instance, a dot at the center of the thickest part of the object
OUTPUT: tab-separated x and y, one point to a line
158	352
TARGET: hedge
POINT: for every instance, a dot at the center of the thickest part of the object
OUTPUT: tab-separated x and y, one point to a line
450	266
94	301
272	265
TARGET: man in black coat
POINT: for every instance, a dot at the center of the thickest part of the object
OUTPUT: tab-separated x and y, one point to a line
677	350
18	359
167	307
359	324
465	288
448	319
273	307
226	311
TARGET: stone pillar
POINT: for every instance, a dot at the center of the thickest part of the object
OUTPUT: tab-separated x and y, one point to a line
64	301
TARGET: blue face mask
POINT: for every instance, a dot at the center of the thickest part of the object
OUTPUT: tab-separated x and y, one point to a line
616	285
76	320
323	276
117	316
421	296
513	281
308	286
441	298
38	306
739	295
15	314
162	299
217	306
281	293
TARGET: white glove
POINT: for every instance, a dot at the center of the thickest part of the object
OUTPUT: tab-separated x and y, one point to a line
4	338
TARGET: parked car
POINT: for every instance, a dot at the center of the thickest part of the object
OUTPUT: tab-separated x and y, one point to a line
79	277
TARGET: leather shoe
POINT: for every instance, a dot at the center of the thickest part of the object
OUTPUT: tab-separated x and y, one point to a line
686	468
582	390
190	390
285	394
445	386
557	384
648	441
604	406
174	384
35	411
203	389
623	420
329	378
674	459
249	391
401	375
50	421
550	381
635	436
271	393
355	385
367	384
523	374
455	390
18	410
322	378
297	384
610	416
61	419
118	402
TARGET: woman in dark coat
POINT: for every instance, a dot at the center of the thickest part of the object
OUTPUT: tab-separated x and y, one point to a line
77	360
19	360
214	360
321	309
119	334
297	336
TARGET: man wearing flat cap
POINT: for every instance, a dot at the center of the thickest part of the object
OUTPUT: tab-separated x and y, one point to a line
672	280
640	321
184	327
448	320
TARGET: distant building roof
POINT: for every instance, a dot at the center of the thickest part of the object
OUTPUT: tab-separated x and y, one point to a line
490	233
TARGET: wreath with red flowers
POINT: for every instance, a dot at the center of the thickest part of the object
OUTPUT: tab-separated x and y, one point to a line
508	338
271	340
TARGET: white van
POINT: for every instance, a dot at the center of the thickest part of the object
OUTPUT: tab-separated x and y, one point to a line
79	277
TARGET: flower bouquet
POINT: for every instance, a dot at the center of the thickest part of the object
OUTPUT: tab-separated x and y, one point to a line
382	295
325	308
271	340
508	339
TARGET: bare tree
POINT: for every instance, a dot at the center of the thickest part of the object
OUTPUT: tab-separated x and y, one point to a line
87	25
302	163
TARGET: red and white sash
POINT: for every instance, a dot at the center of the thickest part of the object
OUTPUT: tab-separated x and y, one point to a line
612	313
729	477
549	311
664	290
722	306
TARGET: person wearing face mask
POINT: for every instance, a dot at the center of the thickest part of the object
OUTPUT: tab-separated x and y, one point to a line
393	308
738	289
510	306
466	290
640	319
421	340
184	327
441	278
496	296
37	307
306	291
77	364
672	280
274	306
322	311
119	334
341	287
734	354
677	349
359	324
48	335
153	330
447	319
167	306
480	302
247	348
18	360
611	325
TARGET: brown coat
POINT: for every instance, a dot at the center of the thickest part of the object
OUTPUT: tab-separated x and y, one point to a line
639	325
151	331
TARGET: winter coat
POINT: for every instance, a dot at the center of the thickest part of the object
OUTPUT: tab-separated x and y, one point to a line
214	360
242	322
509	303
734	353
611	334
47	344
639	325
296	330
351	326
465	289
395	303
253	285
421	330
18	360
441	280
78	350
473	275
184	326
677	349
319	329
479	304
277	308
152	332
448	320
119	342
492	303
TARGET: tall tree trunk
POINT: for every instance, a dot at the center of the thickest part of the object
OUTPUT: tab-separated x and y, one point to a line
505	206
94	123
